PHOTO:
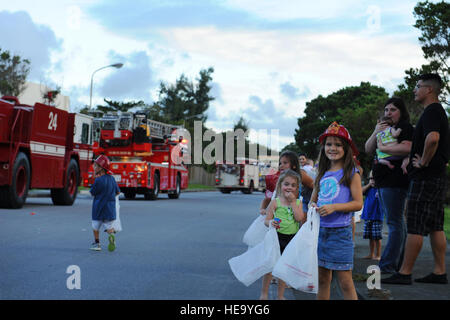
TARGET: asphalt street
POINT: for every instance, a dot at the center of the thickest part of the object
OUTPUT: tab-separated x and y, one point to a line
168	249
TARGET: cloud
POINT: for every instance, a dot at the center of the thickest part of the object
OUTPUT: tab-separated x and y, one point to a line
294	93
21	36
266	115
144	19
133	81
216	92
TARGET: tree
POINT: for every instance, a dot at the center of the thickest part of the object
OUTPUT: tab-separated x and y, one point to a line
433	20
185	101
292	147
13	73
122	106
357	108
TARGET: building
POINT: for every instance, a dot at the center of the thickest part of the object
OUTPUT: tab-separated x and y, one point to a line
34	92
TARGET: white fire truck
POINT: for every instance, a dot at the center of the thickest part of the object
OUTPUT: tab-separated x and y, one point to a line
41	147
246	175
146	155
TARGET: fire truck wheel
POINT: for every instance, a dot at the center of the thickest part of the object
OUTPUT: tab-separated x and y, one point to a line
176	195
153	194
67	195
14	196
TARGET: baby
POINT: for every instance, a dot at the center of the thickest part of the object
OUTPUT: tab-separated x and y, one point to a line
387	137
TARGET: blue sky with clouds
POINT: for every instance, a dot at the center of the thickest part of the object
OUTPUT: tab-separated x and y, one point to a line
270	57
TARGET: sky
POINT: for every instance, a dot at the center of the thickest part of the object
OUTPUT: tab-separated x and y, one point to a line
270	57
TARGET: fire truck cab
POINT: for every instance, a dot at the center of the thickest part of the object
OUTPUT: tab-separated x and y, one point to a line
146	156
41	147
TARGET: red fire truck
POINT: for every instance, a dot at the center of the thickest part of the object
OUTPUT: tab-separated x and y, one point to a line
41	147
146	155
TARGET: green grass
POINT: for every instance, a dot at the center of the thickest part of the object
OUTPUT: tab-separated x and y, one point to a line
200	186
447	222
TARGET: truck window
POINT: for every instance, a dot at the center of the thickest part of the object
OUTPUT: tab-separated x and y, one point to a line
85	133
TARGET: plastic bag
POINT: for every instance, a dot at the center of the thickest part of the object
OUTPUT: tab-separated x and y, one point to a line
258	260
298	266
256	232
358	215
117	225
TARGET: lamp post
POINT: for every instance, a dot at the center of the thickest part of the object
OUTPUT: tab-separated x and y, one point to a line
115	65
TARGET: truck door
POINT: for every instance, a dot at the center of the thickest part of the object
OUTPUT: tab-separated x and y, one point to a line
47	146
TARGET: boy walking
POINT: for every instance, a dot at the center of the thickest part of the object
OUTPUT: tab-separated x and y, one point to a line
104	190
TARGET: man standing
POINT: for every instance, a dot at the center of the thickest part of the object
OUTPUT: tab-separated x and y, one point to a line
426	168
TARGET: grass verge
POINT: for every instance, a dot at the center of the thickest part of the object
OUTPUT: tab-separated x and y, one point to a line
196	186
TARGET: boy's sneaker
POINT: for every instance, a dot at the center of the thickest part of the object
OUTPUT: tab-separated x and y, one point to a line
95	246
112	242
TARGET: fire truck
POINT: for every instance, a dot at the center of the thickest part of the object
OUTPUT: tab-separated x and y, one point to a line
245	175
41	147
146	155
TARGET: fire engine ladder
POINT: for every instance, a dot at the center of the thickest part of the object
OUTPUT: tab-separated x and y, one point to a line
160	130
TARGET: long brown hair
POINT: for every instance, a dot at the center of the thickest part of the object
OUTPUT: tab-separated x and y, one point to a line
293	161
325	164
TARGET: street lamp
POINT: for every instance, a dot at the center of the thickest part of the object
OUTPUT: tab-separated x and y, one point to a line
115	65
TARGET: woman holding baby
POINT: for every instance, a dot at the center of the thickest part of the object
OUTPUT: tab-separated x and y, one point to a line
391	181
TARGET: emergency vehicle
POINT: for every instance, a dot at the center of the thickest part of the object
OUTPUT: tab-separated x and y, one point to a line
41	147
246	175
146	155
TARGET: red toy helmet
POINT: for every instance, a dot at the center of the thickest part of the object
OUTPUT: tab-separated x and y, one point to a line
337	130
103	162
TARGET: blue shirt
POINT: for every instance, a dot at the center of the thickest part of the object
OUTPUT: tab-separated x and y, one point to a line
372	208
331	191
104	191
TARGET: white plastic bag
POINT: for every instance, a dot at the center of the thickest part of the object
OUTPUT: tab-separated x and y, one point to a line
117	225
298	266
257	261
256	232
358	215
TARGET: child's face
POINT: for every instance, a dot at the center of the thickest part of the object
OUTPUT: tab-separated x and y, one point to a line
289	185
284	164
97	168
334	149
302	160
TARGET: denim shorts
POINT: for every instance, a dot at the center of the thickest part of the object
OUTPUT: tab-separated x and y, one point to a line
335	248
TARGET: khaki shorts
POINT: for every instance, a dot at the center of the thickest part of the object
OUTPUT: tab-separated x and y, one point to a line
97	224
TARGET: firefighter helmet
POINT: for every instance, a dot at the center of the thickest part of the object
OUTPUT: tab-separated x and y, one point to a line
103	162
337	130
